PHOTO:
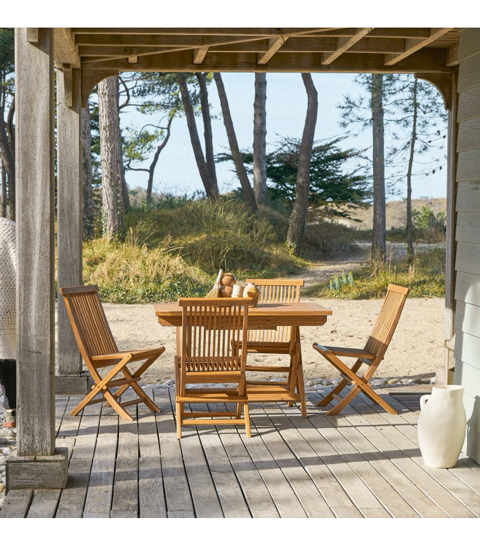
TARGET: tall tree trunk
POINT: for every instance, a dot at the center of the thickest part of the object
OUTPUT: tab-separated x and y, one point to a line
207	124
248	193
124	186
151	169
296	229
110	157
379	244
88	212
410	251
4	190
7	151
260	138
210	185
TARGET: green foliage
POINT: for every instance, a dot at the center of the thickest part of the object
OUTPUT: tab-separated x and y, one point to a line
7	52
425	278
428	226
330	184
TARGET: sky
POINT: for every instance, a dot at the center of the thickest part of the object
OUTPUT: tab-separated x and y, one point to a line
177	173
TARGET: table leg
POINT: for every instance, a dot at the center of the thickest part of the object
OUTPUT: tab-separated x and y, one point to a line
296	375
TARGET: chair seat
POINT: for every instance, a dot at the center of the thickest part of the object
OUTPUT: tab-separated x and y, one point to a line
347	352
266	347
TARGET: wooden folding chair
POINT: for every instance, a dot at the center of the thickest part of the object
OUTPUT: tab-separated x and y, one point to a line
99	351
212	329
371	355
281	340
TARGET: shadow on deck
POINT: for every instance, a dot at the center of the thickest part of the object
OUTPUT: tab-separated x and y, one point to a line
363	463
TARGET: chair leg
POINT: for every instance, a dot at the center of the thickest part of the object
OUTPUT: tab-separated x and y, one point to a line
178	414
331	396
378	400
246	415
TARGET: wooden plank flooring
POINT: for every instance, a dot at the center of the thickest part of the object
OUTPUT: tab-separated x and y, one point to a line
363	463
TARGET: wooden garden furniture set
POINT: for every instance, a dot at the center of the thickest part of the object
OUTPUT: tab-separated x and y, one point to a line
214	338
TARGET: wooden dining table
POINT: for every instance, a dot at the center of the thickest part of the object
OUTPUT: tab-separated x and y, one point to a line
268	316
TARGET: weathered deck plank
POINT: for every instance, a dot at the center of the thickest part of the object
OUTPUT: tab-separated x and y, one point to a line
100	486
151	493
177	492
362	463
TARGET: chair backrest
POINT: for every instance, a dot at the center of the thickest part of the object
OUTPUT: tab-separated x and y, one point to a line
88	321
387	320
278	290
213	331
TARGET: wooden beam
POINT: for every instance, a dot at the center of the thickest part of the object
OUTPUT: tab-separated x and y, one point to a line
199	55
274	45
412	45
35	243
69	211
344	44
66	51
430	60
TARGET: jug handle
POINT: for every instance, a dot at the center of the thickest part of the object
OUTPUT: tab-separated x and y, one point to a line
423	400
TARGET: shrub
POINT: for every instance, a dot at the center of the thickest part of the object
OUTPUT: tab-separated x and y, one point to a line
131	273
425	278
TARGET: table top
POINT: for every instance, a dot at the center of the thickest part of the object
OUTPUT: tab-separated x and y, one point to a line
264	314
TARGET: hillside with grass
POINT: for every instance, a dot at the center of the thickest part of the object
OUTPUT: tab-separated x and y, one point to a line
176	247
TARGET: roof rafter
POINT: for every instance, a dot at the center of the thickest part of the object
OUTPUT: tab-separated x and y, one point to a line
343	44
274	44
412	45
199	54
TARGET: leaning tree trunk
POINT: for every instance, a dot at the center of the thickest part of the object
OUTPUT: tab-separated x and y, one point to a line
88	212
210	185
379	244
248	193
151	169
296	229
410	251
110	157
207	124
260	138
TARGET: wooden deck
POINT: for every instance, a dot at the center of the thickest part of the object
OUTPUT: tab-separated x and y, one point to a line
362	464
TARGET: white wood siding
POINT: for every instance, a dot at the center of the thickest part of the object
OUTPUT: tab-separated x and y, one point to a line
467	236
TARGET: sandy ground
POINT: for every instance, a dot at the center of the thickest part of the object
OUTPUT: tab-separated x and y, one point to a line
416	348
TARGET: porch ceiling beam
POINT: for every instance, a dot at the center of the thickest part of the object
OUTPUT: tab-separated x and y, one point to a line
209	31
274	44
413	45
344	44
294	45
428	60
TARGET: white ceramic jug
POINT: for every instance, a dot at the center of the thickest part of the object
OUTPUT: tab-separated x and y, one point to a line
442	426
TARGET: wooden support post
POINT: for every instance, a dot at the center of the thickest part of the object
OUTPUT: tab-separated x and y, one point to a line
35	250
69	379
443	374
